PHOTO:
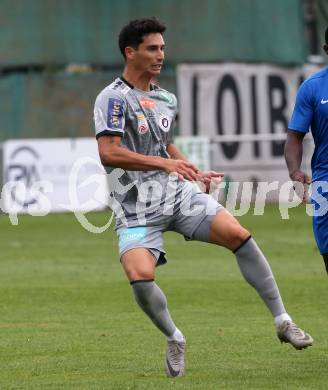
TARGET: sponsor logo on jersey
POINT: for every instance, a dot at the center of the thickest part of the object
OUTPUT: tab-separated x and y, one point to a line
164	122
132	234
142	129
115	113
151	115
147	103
142	124
167	97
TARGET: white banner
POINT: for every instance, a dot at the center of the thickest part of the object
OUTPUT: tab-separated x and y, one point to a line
52	175
245	110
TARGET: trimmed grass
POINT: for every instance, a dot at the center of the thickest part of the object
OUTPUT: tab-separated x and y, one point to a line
68	319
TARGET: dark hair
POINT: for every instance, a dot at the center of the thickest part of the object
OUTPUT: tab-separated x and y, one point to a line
132	34
326	36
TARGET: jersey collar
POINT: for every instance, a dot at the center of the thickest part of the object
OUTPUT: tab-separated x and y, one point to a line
152	86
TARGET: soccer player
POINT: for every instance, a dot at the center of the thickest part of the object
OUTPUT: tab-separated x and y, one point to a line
311	109
134	120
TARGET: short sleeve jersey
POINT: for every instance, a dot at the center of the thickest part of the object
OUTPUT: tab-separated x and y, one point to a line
311	111
145	121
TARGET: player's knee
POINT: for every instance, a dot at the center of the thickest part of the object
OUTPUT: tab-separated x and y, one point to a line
138	275
239	235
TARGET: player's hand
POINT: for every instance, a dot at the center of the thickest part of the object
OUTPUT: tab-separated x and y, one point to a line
183	169
209	178
302	188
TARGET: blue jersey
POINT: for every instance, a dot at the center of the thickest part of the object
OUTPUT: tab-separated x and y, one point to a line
311	110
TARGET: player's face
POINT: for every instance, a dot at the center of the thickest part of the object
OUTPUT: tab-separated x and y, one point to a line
149	55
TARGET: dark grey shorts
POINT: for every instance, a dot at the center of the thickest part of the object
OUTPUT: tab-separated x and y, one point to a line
193	227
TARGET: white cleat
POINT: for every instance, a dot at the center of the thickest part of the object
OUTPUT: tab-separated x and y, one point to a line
288	332
174	360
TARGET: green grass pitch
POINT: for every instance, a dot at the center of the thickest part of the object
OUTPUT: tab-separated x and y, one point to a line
68	320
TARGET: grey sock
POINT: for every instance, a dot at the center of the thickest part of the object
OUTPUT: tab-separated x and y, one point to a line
257	272
153	302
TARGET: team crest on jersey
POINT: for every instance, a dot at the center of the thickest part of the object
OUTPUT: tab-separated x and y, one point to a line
164	122
147	103
142	124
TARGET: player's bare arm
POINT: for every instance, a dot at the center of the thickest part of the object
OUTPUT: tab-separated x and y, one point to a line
175	152
177	155
204	177
113	154
293	156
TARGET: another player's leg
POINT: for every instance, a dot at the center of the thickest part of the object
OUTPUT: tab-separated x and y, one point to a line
139	266
320	231
226	231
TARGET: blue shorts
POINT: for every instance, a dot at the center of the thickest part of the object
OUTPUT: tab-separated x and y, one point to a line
320	231
319	202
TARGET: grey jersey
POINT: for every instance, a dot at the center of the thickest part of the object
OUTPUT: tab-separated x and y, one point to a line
145	121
